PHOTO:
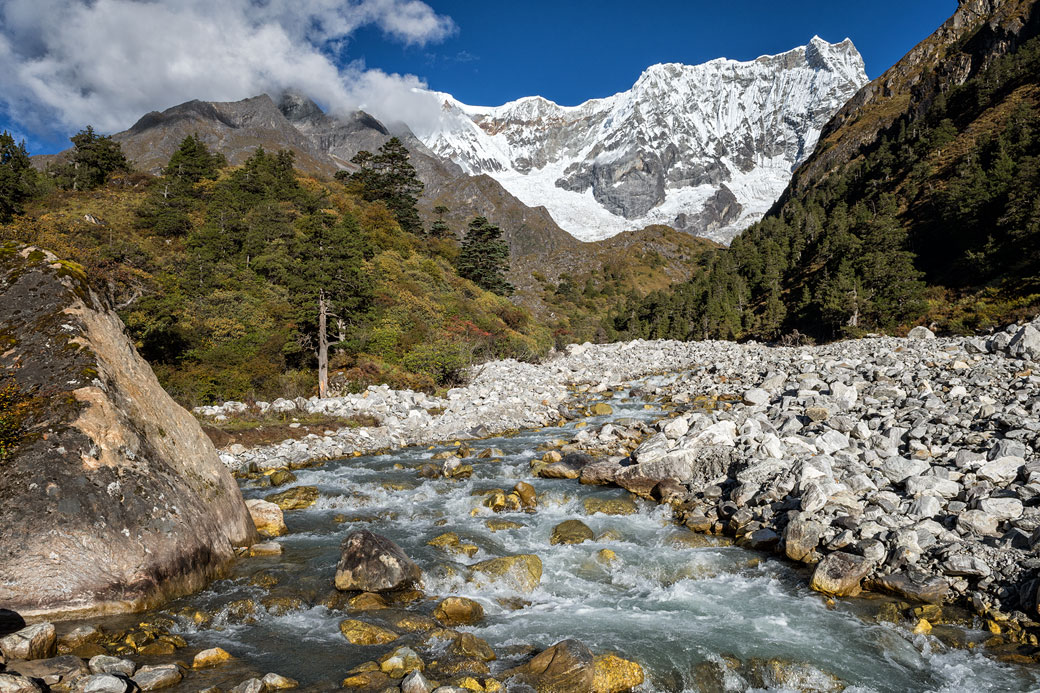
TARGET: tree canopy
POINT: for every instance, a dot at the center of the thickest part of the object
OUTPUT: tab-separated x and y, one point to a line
484	257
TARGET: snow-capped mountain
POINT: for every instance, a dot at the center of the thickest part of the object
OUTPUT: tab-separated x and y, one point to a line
706	148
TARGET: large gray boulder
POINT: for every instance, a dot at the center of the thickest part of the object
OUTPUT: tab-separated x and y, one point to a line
113	497
373	563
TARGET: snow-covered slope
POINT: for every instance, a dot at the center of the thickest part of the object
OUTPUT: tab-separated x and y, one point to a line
706	149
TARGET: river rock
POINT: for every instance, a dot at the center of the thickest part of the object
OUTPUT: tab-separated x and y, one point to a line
400	662
105	664
64	669
34	642
914	587
1025	344
152	678
469	646
104	683
361	633
696	466
612	674
458	611
267	517
568	666
277	682
600	473
125	500
296	498
571	532
522	572
372	563
920	332
13	683
212	657
610	506
569	467
839	574
415	682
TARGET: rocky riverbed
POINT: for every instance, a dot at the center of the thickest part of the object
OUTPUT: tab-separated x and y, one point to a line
903	466
900	473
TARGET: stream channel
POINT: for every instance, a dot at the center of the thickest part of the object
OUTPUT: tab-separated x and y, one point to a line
696	613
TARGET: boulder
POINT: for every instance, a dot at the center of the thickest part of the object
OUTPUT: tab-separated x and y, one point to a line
571	532
1025	344
13	683
152	678
124	501
569	467
921	332
612	674
296	498
695	466
361	633
212	657
105	664
34	642
64	669
372	563
400	662
913	587
104	683
458	611
522	572
839	574
600	473
267	517
566	667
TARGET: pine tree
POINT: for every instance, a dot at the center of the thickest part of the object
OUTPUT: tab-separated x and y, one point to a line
439	228
330	284
390	178
17	177
193	162
93	159
484	258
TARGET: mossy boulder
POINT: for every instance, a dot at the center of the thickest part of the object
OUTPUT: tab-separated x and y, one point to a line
108	462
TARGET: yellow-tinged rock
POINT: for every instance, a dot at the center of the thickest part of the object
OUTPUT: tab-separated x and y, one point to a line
606	556
499	525
602	409
470	684
367	680
210	658
551	457
493	685
267	548
528	496
267	518
522	572
361	633
459	611
400	662
610	506
367	601
296	498
580	424
612	674
923	627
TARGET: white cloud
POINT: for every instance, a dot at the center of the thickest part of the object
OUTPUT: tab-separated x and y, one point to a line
67	63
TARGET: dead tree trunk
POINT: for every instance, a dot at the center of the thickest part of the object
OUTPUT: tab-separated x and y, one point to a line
323	345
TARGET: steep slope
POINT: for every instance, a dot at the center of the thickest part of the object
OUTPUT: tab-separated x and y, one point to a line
919	205
706	149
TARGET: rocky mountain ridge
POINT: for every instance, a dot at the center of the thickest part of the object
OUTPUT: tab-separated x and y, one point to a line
705	149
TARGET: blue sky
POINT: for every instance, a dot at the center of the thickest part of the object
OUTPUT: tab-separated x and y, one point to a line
106	64
573	50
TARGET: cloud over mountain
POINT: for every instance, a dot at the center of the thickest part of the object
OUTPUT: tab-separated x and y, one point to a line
66	63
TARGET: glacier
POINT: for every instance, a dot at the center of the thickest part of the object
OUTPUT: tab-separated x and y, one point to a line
706	149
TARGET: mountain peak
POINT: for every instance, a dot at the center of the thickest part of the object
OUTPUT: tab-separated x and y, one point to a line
705	148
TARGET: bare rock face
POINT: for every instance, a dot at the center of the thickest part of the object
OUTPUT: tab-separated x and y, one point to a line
114	499
371	563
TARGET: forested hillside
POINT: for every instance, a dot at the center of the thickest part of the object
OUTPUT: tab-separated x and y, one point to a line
936	219
220	273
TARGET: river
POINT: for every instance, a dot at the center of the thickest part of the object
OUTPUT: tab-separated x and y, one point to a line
698	614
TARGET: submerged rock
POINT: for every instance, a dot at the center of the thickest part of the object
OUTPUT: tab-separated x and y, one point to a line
372	563
571	532
522	572
115	498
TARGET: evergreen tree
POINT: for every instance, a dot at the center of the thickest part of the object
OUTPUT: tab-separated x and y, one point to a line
193	162
329	283
439	228
484	258
17	177
165	212
390	178
93	159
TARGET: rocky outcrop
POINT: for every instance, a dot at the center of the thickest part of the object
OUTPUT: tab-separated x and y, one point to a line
114	498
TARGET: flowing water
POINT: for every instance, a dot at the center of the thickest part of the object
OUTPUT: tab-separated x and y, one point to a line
676	602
